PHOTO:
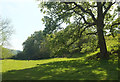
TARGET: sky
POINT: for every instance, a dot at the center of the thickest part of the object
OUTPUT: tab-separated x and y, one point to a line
25	16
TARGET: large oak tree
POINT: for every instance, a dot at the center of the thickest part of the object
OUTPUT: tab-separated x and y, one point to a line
95	15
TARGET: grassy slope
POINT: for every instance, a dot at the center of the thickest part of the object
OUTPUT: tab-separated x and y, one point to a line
63	68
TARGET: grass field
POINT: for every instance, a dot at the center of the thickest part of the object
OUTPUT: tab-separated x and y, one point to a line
79	68
60	69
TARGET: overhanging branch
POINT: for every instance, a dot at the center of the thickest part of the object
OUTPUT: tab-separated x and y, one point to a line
109	6
86	28
82	17
115	24
104	3
92	33
86	11
79	36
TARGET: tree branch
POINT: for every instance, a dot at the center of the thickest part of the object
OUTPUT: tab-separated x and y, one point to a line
91	33
86	28
4	27
81	34
71	8
110	4
93	5
115	24
82	17
68	2
104	3
85	11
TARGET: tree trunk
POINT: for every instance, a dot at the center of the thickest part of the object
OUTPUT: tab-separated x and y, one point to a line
100	26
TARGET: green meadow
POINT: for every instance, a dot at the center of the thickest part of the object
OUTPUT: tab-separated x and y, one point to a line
79	41
60	69
79	67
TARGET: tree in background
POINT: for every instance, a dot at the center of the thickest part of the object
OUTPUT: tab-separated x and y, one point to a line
96	16
6	31
34	47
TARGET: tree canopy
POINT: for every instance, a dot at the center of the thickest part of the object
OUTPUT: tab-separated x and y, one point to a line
87	24
33	47
95	17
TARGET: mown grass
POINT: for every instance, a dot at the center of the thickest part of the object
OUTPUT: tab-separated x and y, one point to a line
60	69
80	68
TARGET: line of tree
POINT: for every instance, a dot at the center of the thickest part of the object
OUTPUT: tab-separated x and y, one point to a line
96	16
91	21
57	44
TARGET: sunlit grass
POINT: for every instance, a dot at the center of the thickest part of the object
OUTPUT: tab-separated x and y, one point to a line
59	69
76	68
9	64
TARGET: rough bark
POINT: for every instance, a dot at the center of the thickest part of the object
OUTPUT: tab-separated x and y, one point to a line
100	26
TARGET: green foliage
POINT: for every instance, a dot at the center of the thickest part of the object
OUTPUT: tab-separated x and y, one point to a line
67	41
34	47
118	8
113	43
88	18
6	53
76	37
83	66
50	25
59	12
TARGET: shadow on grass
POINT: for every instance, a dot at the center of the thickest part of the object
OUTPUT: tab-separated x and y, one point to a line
66	70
